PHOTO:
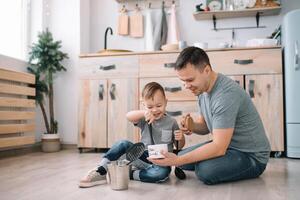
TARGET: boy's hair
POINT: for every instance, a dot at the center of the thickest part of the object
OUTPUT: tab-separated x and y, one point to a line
194	56
150	89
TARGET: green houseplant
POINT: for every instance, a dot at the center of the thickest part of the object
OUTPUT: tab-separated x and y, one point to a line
45	60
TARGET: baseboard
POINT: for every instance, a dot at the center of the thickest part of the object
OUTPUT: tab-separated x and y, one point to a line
17	151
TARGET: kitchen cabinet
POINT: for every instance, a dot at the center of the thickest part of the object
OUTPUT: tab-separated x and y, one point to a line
104	99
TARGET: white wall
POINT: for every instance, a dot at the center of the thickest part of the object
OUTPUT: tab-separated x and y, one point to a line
104	13
63	20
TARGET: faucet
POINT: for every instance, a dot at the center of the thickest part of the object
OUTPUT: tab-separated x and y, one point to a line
105	36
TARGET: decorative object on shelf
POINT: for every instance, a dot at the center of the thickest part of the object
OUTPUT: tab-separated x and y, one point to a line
266	3
198	7
137	23
123	22
251	3
214	5
45	60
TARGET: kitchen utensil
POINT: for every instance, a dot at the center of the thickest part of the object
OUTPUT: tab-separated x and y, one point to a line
134	152
189	123
179	173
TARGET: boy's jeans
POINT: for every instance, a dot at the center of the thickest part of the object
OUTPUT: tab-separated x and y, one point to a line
234	165
151	174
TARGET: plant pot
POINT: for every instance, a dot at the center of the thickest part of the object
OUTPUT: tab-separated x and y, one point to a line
51	143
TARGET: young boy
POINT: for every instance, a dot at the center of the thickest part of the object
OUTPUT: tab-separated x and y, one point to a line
152	121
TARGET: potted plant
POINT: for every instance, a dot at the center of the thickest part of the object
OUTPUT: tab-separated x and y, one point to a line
45	60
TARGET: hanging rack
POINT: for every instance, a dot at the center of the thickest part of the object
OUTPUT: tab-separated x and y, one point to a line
146	4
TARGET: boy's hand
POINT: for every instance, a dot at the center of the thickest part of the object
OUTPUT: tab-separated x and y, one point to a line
179	135
149	117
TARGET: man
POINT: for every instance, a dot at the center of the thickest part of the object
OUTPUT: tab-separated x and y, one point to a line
239	148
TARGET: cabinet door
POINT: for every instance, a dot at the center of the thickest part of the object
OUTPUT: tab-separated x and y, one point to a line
92	114
267	95
122	97
239	79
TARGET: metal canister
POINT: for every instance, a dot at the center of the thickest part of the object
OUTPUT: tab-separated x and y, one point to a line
118	175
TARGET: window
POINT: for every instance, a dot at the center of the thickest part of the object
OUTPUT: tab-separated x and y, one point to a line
14	28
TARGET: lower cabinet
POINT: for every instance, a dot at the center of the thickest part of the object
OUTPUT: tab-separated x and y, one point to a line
103	105
266	93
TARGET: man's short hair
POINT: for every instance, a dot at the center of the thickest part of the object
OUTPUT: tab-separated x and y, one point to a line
194	56
150	89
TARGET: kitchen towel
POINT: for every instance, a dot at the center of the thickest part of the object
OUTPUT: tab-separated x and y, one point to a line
123	22
149	42
137	24
173	31
161	29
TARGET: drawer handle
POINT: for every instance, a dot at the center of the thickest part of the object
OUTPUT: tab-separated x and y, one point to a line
101	91
108	67
173	89
243	62
296	56
112	91
169	65
174	113
251	88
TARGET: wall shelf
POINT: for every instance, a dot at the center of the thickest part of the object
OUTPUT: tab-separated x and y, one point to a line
237	13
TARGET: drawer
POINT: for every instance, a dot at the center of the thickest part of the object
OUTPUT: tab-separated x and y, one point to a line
256	61
158	65
177	109
108	67
174	89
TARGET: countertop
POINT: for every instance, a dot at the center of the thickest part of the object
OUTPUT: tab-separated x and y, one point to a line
88	55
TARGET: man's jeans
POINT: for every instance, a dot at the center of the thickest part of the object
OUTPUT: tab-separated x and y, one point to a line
151	174
234	165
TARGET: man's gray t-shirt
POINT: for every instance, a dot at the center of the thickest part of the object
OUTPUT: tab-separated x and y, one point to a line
162	131
229	106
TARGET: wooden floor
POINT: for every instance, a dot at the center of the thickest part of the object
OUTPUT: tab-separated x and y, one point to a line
41	176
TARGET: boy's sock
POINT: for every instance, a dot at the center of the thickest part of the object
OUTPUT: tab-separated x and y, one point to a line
134	175
102	169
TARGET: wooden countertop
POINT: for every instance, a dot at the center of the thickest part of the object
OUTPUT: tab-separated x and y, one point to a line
88	55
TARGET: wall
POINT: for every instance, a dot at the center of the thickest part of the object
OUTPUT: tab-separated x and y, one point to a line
104	13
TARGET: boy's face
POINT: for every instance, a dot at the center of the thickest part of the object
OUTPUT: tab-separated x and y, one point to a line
156	105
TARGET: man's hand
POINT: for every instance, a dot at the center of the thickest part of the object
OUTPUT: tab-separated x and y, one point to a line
170	159
183	127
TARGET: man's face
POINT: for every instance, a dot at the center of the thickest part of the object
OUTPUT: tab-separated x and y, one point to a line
195	80
156	105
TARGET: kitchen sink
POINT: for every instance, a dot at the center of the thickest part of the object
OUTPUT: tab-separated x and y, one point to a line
111	51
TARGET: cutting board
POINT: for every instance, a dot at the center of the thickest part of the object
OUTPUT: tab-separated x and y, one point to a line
123	22
137	24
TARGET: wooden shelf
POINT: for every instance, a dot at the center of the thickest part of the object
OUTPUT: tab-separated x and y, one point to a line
237	13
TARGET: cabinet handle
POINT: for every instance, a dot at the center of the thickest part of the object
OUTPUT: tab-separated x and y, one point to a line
112	91
251	88
108	67
296	56
243	62
100	92
173	89
169	65
174	113
238	82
